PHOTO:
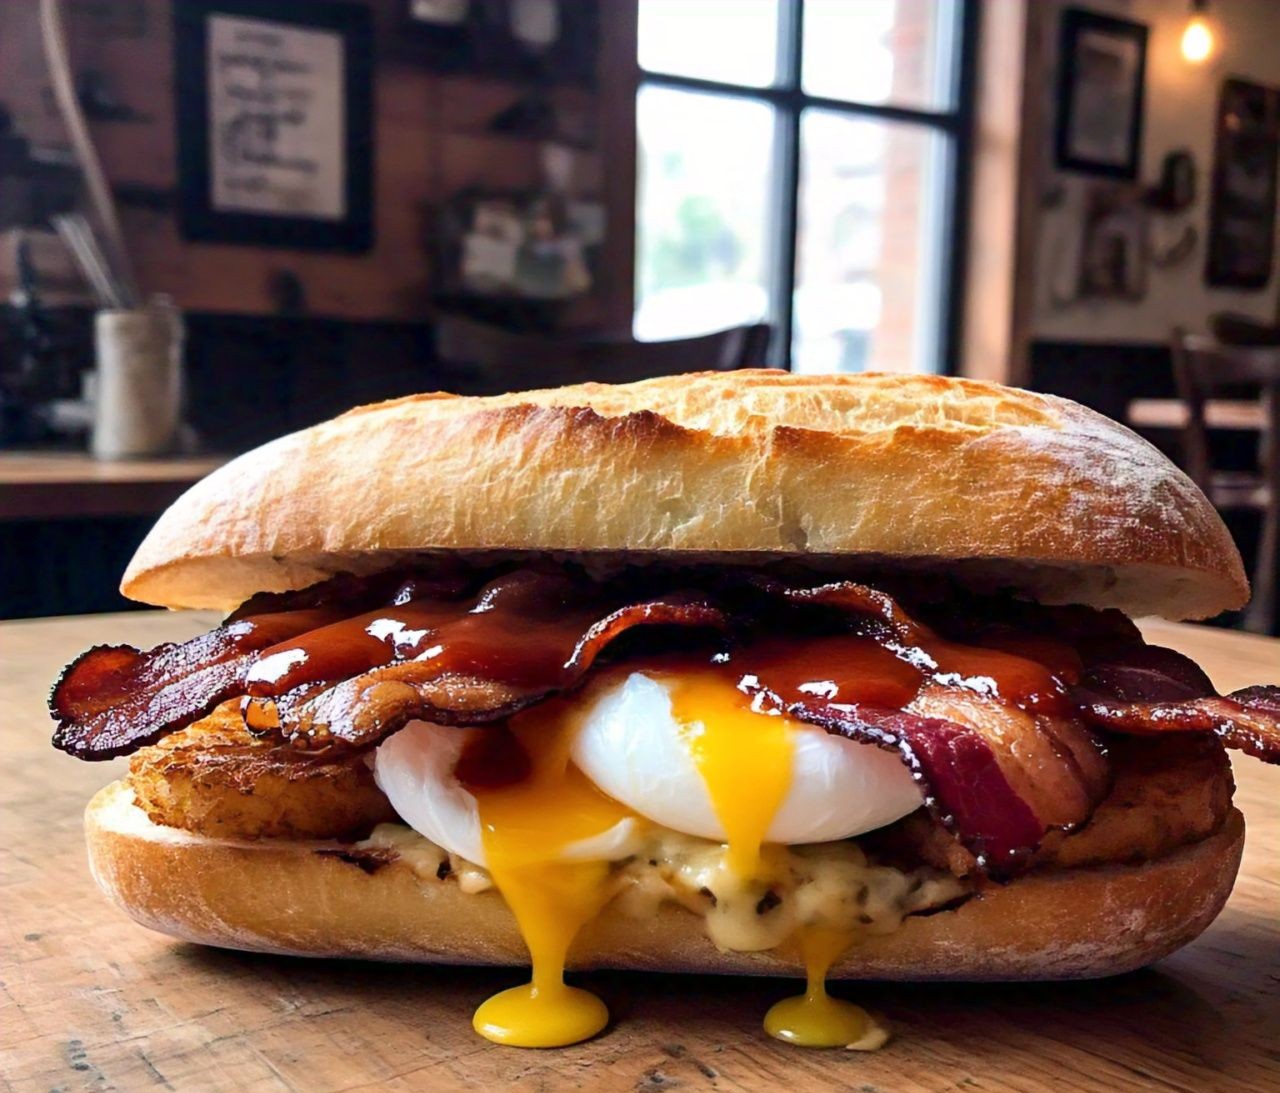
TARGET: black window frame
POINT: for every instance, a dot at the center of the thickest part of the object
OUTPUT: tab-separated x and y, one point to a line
790	101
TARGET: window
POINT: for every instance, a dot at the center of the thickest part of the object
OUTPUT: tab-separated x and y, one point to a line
801	162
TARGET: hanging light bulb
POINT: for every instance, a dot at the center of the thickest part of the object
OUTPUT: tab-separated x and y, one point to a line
1197	38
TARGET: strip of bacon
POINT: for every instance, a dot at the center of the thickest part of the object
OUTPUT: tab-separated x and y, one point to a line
468	688
961	780
1246	720
990	718
1142	673
114	699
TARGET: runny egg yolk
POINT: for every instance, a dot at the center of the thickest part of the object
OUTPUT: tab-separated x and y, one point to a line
525	827
744	757
531	818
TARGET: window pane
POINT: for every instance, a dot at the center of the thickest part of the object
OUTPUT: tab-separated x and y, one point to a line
869	245
702	209
733	41
881	51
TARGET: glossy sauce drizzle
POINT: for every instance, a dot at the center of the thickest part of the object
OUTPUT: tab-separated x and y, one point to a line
500	641
856	669
525	630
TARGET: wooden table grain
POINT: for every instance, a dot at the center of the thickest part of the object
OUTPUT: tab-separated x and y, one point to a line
92	1002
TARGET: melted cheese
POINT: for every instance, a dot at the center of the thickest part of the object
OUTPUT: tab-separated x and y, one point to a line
526	828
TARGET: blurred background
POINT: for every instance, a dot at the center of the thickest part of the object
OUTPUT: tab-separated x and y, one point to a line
223	220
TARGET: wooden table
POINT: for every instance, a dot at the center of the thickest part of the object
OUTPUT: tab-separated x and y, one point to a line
1244	415
93	1002
49	485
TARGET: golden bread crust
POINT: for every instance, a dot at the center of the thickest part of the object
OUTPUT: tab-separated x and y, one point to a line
296	898
1015	488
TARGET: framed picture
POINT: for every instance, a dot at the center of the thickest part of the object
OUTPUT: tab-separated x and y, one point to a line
1101	72
1114	248
275	124
1242	204
534	245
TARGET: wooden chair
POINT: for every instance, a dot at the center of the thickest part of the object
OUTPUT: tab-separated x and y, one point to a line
495	359
1204	368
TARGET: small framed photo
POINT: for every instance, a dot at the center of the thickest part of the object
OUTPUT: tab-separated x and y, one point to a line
1101	72
1114	248
1242	205
275	122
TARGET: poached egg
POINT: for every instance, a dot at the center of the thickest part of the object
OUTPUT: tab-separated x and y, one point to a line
684	750
661	745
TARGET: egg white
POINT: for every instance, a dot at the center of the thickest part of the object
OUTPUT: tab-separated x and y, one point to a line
631	746
415	769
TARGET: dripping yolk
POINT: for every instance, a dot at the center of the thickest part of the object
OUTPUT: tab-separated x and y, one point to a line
536	808
744	758
526	826
815	1019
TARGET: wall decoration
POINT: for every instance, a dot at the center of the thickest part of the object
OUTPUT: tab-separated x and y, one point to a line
536	246
1114	249
548	41
1173	237
1176	190
275	122
1242	208
1101	72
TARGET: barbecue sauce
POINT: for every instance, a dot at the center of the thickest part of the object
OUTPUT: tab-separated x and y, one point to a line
731	698
534	805
529	634
518	633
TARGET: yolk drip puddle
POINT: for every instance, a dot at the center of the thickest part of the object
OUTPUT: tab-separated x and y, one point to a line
815	1019
525	827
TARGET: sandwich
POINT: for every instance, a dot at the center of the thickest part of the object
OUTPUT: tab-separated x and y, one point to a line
731	672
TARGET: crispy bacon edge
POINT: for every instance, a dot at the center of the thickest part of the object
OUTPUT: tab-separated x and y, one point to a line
360	711
1148	690
1247	720
115	699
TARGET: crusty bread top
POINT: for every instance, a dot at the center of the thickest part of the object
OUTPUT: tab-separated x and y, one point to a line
1003	486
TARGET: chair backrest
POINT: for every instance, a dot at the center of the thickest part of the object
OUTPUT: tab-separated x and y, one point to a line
1204	368
504	360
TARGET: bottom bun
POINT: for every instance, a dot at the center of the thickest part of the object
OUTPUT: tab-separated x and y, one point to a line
308	899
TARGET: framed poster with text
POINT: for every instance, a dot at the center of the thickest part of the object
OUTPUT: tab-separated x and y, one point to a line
275	127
